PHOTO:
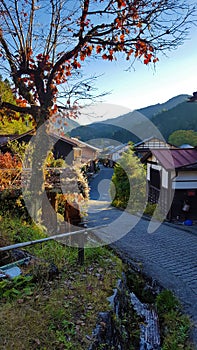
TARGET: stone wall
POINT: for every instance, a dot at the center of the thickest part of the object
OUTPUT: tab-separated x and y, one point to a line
130	323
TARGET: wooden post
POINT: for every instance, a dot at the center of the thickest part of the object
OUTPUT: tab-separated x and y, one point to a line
81	256
81	247
81	250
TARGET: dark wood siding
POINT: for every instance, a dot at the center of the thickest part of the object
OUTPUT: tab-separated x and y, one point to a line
179	197
155	178
63	150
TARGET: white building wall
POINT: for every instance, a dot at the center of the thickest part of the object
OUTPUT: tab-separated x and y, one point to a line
187	176
185	180
156	167
148	171
164	178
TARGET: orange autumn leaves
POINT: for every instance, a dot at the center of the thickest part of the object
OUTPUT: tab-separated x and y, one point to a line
124	34
10	168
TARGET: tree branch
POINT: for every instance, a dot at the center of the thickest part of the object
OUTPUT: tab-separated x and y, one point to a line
8	13
24	110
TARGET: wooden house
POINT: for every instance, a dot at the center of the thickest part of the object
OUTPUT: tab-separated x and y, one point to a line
142	147
64	147
89	153
4	139
172	179
116	152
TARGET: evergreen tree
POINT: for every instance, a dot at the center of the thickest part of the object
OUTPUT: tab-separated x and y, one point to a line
129	180
180	137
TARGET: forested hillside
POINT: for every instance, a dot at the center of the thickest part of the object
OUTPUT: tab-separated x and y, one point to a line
181	117
151	111
165	116
11	122
103	131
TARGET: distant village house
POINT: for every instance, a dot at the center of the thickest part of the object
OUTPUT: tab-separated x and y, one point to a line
172	178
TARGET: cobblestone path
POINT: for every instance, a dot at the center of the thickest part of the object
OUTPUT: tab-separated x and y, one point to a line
168	255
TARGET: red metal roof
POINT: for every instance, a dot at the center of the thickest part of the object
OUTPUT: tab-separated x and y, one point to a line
175	158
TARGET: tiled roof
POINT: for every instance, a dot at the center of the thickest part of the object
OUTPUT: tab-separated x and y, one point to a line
72	141
84	144
5	138
175	158
63	138
153	142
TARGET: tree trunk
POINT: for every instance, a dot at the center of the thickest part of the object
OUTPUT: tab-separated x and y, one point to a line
35	196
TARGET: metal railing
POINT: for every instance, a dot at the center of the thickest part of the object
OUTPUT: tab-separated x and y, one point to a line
81	246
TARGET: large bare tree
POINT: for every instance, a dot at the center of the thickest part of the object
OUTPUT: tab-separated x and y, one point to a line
43	44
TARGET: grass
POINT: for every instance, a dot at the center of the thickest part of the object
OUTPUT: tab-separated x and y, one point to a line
59	314
39	313
175	326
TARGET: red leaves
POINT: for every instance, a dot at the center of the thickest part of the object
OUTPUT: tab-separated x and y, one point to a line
76	64
145	50
129	54
134	13
109	57
54	110
156	59
147	58
99	49
9	168
139	25
43	62
86	51
115	26
29	53
104	57
82	56
121	3
21	102
7	161
119	22
39	57
89	50
122	38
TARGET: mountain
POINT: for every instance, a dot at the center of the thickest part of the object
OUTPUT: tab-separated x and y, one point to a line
153	110
120	128
66	125
149	112
70	124
99	112
101	131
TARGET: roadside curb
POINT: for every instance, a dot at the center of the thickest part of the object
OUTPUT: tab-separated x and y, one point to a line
182	227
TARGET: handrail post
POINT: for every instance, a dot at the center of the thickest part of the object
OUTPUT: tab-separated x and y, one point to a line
81	249
81	254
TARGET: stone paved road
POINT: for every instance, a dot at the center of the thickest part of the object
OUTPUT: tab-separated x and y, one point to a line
169	255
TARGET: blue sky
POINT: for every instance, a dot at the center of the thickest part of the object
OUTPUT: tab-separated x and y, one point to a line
174	74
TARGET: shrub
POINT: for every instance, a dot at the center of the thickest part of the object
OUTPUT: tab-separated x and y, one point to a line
174	324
